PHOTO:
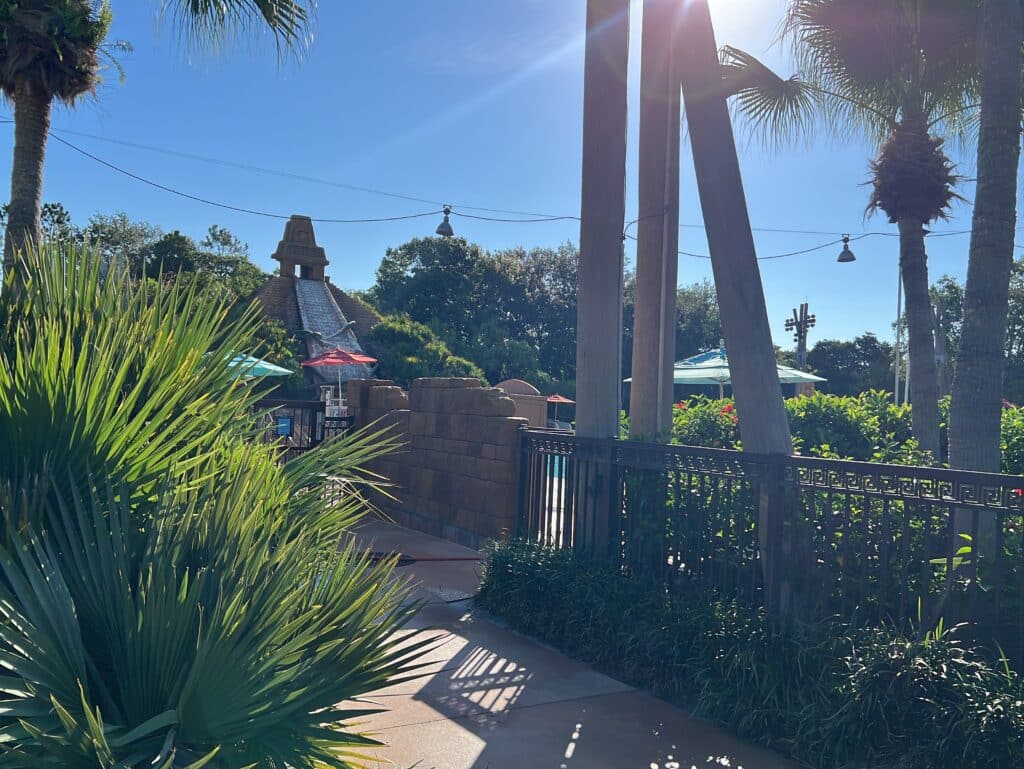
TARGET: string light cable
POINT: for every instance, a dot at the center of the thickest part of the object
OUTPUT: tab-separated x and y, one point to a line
522	217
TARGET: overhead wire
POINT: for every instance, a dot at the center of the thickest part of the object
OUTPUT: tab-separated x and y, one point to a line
291	175
524	217
228	206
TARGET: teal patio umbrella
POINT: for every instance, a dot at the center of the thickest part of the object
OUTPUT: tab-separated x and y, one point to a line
249	367
712	368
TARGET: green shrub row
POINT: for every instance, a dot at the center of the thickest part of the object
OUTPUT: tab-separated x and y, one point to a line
828	694
868	427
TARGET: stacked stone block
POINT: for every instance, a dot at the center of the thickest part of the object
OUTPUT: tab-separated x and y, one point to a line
456	475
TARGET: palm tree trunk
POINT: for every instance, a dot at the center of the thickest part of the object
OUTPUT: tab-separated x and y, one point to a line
31	128
975	412
924	385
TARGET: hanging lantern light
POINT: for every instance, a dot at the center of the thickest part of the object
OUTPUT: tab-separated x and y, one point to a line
444	229
846	255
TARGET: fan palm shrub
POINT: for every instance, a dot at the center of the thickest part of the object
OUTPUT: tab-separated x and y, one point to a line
170	595
905	74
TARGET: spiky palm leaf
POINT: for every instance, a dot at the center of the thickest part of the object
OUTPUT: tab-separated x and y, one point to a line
121	655
169	594
210	22
101	375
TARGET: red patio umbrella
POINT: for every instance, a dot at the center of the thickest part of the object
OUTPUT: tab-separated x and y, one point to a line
339	357
556	399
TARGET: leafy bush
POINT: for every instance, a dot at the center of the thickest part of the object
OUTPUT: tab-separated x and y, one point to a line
170	596
702	422
1012	442
866	427
830	694
410	350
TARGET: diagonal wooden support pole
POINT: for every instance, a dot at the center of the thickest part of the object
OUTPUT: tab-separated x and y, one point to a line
764	426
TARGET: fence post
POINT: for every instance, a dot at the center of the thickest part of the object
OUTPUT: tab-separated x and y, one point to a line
603	493
772	535
522	482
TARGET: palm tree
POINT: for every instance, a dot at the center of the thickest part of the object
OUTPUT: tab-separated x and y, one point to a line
976	408
48	50
899	72
51	50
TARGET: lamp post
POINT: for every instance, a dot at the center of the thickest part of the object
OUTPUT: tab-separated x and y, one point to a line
800	324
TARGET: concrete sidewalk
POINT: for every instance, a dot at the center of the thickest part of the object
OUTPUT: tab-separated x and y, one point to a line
495	699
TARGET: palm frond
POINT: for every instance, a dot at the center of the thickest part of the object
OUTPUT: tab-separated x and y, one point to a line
884	61
777	110
210	23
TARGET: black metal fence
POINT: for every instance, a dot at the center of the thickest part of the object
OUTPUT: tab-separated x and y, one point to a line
807	537
296	426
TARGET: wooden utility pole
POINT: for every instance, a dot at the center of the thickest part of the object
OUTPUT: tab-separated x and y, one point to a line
752	367
650	412
602	215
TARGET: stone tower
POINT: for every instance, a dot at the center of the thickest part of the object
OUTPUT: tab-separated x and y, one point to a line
298	248
311	307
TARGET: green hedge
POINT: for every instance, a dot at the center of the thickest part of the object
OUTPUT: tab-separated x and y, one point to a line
409	350
868	427
830	695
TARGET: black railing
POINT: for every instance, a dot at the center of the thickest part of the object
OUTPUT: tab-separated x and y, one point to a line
296	426
807	537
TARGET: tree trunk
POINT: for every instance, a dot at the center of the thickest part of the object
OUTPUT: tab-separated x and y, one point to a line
924	384
650	397
31	129
975	412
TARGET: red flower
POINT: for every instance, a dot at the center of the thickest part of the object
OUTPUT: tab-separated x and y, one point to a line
735	419
681	405
727	408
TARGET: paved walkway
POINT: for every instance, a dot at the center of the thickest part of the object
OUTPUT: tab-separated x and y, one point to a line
495	699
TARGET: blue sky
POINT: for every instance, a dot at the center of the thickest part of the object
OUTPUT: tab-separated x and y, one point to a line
472	103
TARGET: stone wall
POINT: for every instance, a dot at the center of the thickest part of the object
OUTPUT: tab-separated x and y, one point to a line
456	477
530	404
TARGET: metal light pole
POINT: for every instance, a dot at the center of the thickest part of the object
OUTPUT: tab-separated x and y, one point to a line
800	324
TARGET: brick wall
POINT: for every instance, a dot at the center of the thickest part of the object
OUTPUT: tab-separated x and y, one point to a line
456	477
